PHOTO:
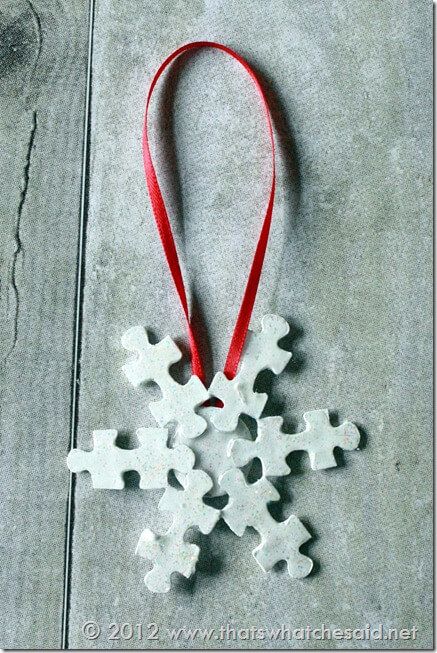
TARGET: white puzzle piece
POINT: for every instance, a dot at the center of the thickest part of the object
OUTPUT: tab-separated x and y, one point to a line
261	352
152	459
279	540
272	446
152	363
169	552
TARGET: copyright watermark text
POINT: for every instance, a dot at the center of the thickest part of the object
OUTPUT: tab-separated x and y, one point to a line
232	633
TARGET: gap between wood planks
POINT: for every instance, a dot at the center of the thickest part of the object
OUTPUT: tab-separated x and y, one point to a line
77	338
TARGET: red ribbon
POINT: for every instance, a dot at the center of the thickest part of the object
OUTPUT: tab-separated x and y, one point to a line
167	239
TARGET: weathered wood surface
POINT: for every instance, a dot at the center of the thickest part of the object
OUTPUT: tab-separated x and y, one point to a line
349	264
43	62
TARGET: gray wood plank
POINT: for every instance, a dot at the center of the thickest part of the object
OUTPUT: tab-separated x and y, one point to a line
43	79
349	264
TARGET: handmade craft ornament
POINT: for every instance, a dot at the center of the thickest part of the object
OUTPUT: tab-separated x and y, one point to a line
217	438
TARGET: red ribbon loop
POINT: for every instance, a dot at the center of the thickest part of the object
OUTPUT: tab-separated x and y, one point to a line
166	235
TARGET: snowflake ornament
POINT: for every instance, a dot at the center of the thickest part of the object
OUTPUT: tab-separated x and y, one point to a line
209	447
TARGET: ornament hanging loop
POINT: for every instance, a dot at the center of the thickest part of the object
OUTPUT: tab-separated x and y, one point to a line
165	232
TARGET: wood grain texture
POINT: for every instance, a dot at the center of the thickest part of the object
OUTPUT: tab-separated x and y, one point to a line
349	264
43	78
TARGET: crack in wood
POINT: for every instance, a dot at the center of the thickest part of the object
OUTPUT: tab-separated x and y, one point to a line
19	249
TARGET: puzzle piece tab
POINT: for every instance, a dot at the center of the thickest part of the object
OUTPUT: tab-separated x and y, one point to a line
107	463
261	352
272	445
170	554
152	364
